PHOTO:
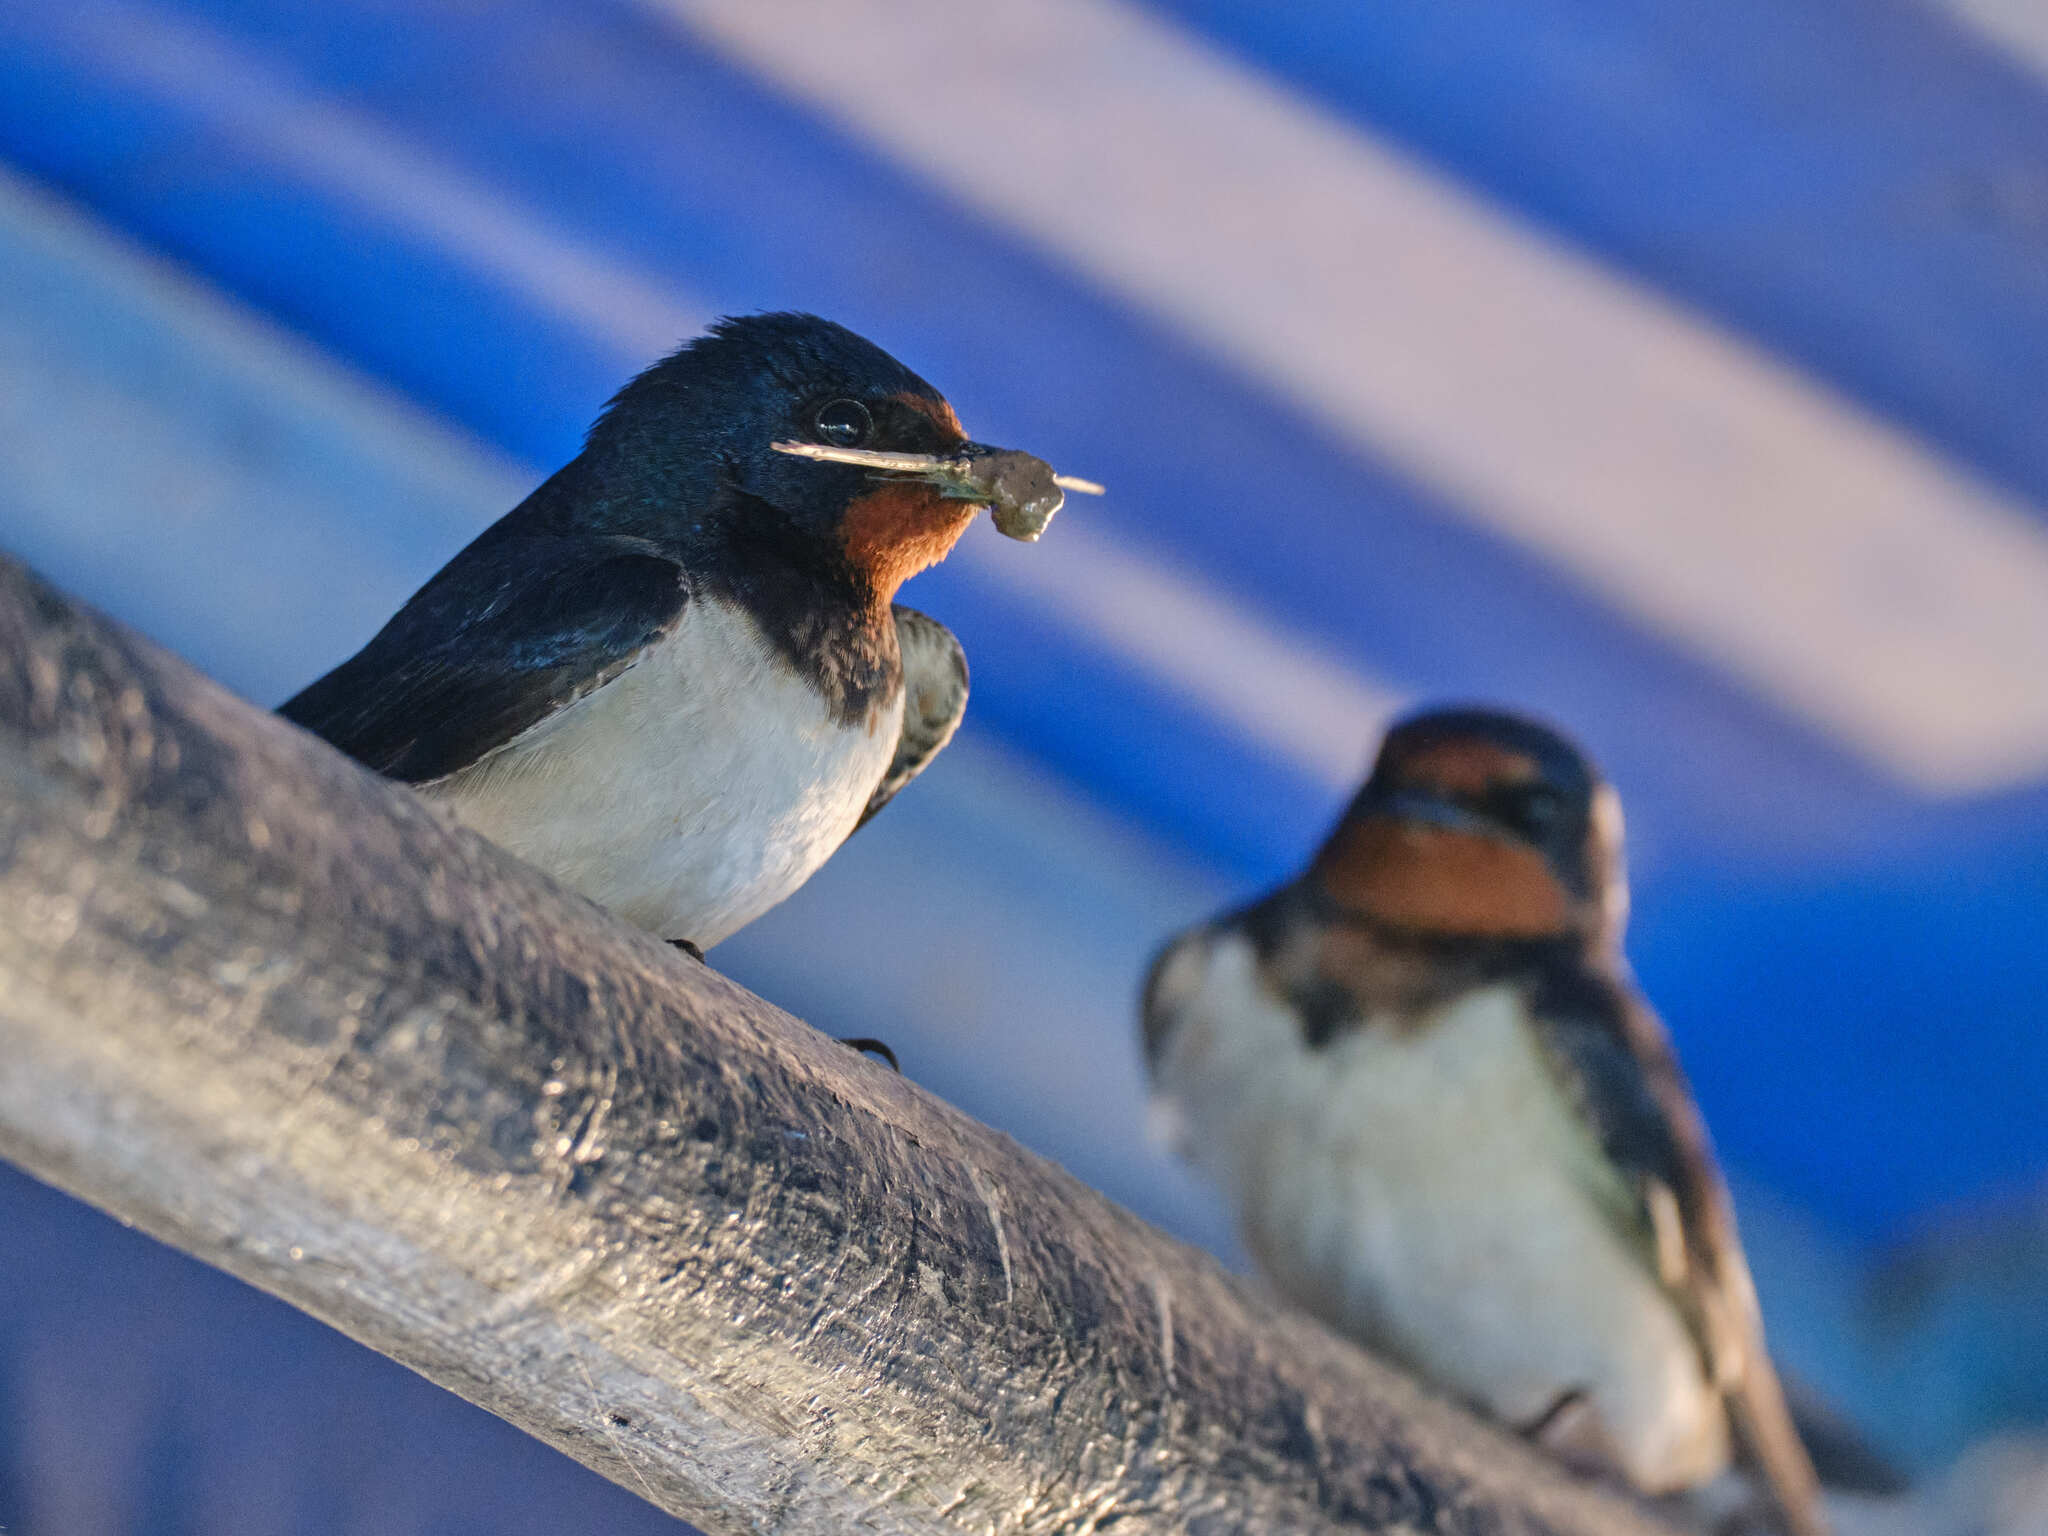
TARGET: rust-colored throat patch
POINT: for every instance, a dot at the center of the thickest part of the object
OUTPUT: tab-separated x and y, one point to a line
1439	880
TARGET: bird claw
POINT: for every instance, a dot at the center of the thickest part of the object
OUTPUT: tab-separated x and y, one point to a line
867	1045
1572	1431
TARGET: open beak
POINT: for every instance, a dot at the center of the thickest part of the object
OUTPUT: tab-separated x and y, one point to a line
1021	492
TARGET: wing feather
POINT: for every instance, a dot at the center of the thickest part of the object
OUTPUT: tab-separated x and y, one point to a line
1614	1056
934	699
508	633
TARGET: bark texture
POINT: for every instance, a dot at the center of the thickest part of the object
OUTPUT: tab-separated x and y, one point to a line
283	1016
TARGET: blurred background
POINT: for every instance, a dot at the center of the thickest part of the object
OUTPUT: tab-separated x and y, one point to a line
1677	372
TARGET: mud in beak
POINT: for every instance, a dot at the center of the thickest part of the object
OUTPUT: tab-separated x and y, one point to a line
1020	491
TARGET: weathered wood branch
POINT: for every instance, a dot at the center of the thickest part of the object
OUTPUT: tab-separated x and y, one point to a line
281	1015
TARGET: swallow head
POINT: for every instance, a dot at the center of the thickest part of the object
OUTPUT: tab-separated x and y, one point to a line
1481	824
767	431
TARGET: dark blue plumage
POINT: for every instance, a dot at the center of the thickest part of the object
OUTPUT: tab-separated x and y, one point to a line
674	676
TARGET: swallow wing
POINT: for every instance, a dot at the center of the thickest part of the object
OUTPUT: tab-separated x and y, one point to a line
1614	1057
508	633
1173	982
934	699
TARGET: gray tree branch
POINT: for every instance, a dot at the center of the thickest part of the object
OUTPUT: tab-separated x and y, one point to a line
280	1014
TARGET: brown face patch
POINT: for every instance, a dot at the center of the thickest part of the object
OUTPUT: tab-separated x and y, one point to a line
1464	767
1435	880
941	414
899	529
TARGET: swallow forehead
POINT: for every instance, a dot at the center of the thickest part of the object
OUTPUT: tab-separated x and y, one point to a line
1461	765
936	410
1471	750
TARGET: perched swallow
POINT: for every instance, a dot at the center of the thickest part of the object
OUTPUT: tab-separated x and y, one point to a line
673	677
1452	1128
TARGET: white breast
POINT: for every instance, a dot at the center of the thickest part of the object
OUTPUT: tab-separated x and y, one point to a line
693	792
1425	1189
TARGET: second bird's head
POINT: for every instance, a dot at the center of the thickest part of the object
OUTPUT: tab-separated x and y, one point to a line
686	455
1480	824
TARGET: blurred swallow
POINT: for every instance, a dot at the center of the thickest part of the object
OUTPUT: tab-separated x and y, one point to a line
674	676
1452	1128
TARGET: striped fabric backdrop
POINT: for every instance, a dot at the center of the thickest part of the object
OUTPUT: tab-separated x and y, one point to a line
1677	372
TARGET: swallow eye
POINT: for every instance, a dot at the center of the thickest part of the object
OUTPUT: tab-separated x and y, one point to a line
843	423
1536	813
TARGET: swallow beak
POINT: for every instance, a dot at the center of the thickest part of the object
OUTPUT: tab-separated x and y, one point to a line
1020	490
1427	810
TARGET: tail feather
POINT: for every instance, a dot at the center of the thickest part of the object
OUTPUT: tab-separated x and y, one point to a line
1765	1425
1843	1457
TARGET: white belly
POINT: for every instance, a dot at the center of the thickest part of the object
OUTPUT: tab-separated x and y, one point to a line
1427	1190
690	794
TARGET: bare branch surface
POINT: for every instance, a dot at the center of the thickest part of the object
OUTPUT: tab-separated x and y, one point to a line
284	1017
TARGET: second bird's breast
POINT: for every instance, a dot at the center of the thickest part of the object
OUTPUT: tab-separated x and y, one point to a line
692	793
1424	1185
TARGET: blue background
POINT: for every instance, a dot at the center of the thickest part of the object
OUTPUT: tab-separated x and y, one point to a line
1852	964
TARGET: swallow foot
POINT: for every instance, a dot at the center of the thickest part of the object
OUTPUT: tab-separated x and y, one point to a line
689	949
1572	1431
869	1046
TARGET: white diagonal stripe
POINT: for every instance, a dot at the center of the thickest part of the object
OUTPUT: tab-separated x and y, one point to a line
361	161
1687	476
1199	643
1240	672
2020	27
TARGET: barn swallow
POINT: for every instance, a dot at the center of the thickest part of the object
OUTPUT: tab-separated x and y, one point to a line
674	677
1453	1129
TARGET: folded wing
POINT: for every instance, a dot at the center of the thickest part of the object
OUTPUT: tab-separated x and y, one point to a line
1615	1059
934	699
506	635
